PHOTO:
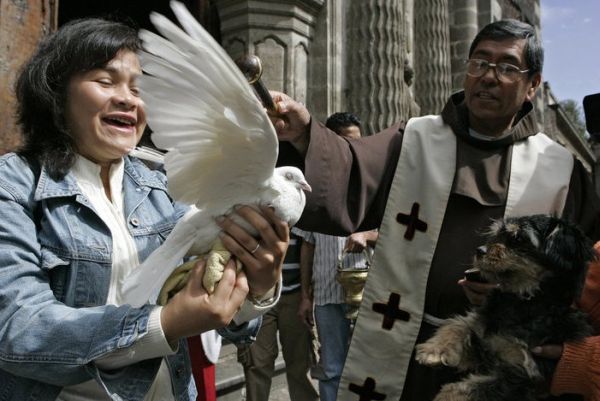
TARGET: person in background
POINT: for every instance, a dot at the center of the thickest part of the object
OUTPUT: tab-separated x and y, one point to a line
345	124
322	295
433	185
77	214
258	358
578	369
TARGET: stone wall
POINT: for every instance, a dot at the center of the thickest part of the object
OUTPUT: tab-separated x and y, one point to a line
22	24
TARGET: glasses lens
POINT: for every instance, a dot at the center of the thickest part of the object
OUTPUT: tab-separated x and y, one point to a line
507	72
477	68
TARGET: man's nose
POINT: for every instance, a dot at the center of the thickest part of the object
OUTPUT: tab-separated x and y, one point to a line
491	74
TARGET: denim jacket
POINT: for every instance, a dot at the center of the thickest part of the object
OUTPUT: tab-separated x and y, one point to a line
55	267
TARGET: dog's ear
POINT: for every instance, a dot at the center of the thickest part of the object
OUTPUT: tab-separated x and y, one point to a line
566	247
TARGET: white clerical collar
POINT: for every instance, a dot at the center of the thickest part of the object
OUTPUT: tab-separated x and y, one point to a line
477	135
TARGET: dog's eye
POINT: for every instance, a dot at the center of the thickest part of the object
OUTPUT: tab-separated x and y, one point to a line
514	240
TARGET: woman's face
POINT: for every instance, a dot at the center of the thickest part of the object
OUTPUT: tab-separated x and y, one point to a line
104	113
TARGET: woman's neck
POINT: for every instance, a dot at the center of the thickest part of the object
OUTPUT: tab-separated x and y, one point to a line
105	177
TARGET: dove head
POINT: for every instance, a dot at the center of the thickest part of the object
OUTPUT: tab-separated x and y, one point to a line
295	177
290	203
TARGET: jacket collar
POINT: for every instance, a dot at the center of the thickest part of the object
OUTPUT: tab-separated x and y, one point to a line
141	176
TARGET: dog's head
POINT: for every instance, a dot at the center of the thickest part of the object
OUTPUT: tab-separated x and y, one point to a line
525	254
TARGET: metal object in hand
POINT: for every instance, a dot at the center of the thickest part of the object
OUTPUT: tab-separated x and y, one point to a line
353	281
251	67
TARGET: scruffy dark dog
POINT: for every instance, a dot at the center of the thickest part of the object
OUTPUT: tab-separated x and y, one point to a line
539	263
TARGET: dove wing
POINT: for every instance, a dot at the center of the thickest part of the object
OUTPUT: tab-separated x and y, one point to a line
221	146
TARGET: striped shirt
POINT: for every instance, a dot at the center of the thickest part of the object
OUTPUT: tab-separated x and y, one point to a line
291	266
328	251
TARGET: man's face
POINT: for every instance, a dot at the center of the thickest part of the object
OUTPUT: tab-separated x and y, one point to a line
492	103
351	131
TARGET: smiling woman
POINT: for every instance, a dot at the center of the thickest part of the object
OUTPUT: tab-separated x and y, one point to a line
77	215
78	49
104	112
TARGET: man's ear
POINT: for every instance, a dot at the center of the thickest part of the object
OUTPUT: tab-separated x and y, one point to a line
534	83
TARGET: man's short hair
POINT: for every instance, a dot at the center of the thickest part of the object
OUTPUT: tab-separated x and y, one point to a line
514	29
342	120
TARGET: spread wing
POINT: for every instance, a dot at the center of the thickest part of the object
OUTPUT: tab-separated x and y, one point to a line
221	146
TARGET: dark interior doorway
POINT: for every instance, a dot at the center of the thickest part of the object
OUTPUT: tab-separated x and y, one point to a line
136	12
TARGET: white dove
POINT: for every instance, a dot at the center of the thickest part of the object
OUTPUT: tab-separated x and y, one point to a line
221	146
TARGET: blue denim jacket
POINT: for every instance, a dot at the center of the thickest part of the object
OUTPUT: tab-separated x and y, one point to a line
55	266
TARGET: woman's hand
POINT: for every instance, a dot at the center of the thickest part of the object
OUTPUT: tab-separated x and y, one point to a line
192	310
291	122
262	257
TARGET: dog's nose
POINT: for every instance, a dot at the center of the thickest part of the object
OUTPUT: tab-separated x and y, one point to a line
482	250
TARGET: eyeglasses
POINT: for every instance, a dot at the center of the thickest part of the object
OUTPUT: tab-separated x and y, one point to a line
506	73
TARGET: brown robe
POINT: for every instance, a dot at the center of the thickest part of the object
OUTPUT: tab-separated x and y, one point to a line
351	180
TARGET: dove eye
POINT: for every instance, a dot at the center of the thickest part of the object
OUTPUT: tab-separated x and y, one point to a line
289	176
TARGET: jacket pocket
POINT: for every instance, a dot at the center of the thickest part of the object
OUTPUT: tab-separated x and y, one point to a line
58	273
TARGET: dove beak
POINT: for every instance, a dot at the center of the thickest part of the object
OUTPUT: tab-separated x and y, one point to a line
305	187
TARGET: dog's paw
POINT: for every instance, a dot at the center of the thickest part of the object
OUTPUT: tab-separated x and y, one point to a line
453	392
432	353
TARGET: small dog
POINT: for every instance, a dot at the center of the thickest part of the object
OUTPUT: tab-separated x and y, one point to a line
539	263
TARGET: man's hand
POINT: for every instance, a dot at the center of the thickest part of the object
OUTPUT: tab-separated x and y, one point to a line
550	351
291	121
358	242
305	311
476	292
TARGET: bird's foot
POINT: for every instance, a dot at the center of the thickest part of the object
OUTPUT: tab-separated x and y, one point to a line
215	265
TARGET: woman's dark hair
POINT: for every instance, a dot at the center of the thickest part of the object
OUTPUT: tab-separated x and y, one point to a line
514	29
78	46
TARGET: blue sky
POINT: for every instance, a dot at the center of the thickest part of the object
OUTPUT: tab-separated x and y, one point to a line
571	40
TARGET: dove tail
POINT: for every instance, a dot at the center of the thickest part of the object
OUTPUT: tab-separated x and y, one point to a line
144	282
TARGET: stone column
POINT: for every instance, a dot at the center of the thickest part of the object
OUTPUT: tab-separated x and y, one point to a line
278	32
488	11
375	63
432	55
463	28
327	63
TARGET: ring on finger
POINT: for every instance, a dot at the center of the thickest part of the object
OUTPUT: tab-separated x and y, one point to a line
255	249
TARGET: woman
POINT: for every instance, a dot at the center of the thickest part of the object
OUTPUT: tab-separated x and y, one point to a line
578	369
77	214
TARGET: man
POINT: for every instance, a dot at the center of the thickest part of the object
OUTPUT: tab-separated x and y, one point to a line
480	160
344	124
321	293
258	358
